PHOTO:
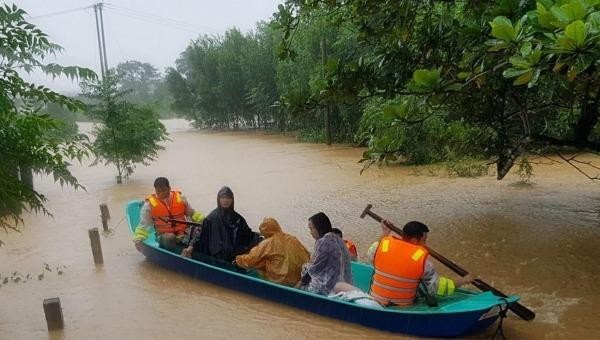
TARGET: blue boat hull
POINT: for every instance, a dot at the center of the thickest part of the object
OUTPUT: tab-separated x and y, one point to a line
443	324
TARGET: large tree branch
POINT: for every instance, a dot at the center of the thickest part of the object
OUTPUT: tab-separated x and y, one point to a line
572	161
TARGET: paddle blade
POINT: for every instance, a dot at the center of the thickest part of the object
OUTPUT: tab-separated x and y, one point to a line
517	308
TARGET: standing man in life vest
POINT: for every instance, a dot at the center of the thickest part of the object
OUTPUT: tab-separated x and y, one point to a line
401	263
158	208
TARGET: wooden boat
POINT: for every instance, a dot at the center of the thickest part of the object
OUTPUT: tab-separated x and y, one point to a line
459	314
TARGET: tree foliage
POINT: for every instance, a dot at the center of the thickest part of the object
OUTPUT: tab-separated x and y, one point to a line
225	81
236	80
129	133
512	77
30	141
143	84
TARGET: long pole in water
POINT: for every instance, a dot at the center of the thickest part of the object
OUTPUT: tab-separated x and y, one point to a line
99	42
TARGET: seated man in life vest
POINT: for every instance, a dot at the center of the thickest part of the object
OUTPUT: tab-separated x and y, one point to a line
401	264
349	244
158	208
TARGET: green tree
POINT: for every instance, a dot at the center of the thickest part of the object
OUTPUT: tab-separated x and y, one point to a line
227	81
129	133
463	66
138	79
260	65
318	46
556	43
66	120
29	141
143	84
184	101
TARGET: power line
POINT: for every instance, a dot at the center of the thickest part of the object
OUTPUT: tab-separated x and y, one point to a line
159	20
153	22
116	38
60	12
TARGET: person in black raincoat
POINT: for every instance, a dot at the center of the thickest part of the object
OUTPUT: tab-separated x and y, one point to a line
224	233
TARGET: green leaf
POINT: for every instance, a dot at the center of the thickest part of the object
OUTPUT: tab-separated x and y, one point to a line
464	75
562	16
519	62
332	65
593	23
524	78
534	79
567	13
389	112
577	32
575	9
526	49
427	80
566	44
513	72
497	45
502	29
535	56
544	17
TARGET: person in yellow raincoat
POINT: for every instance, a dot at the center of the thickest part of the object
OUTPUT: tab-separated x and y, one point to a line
278	258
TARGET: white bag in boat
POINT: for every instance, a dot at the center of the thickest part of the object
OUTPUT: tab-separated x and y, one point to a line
358	297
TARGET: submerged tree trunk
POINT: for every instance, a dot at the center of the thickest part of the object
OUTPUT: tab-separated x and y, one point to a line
588	119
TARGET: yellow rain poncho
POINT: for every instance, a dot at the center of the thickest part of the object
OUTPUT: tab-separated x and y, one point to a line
279	258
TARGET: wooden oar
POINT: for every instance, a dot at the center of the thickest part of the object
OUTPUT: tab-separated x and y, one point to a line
193	224
197	224
522	311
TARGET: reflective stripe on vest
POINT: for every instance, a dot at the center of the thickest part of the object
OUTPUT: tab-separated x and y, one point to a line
161	212
394	277
399	266
392	288
445	286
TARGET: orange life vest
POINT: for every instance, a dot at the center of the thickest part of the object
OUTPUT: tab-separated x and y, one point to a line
399	266
159	211
351	247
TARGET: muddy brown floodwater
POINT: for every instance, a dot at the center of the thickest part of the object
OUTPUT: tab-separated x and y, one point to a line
542	242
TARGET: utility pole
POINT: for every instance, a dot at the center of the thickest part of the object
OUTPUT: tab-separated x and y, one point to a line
99	42
103	41
327	123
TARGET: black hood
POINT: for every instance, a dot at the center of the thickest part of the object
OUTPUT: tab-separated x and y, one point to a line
226	191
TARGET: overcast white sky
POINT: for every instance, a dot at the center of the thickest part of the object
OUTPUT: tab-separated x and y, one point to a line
153	31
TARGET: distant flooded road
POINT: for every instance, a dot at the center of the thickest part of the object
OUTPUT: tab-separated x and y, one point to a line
542	242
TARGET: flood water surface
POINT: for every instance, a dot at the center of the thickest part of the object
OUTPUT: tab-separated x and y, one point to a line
541	241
